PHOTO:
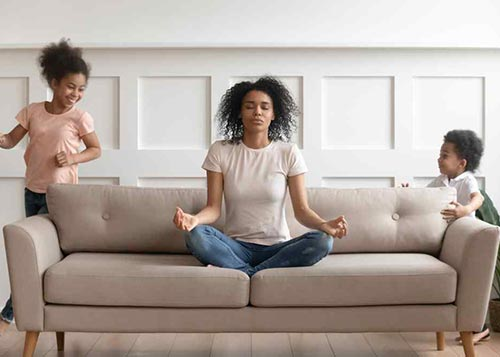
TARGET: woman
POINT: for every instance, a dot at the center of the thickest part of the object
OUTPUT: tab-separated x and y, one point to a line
252	168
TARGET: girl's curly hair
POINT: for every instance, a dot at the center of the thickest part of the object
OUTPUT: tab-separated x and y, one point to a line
60	59
468	146
230	124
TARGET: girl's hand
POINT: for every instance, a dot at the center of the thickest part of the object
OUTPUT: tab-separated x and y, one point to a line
3	140
337	227
454	211
64	159
184	221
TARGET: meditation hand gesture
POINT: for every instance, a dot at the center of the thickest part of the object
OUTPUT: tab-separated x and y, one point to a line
184	221
337	227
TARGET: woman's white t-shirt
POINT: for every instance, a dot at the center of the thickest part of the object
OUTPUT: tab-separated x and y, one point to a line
255	185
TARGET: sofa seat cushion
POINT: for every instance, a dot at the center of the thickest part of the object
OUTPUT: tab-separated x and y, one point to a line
150	280
357	280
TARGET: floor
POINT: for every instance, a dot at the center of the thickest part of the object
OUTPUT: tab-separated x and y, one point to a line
245	344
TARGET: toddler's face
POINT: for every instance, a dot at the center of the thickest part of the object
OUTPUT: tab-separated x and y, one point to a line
449	161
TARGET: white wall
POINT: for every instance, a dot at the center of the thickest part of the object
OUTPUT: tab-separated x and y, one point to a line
371	117
409	23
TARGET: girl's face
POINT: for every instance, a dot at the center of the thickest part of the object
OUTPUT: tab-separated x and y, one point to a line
449	162
256	111
69	90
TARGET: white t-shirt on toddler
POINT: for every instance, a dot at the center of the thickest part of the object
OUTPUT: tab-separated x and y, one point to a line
465	184
255	186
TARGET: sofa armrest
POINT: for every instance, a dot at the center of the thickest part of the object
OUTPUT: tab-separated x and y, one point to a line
32	247
470	246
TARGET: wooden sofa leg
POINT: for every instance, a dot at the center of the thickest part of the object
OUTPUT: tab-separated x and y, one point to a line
60	341
30	343
441	344
468	343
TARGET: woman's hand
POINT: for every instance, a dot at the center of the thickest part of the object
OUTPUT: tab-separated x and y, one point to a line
337	227
64	159
184	221
454	211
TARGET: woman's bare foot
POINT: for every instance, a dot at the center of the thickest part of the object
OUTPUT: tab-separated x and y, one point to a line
4	325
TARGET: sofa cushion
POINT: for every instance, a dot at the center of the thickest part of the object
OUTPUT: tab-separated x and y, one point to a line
383	220
153	280
105	218
357	280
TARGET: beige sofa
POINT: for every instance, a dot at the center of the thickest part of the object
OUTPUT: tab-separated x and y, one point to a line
108	259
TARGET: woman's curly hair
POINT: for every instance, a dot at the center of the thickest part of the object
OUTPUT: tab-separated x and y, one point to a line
230	124
60	59
468	146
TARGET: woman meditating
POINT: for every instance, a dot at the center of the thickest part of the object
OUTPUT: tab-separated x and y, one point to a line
252	168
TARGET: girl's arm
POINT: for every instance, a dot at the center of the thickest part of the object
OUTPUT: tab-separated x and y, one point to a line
306	216
8	141
211	212
92	151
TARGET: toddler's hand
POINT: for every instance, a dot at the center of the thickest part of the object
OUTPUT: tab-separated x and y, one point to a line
64	159
453	211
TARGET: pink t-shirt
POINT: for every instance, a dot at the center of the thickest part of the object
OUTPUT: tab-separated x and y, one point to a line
50	134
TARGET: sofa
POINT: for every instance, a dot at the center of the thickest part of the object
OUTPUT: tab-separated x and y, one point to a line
109	259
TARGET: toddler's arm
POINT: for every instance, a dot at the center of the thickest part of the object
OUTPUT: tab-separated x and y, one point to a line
476	201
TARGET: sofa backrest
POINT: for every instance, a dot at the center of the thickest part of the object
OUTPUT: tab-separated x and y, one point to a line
382	219
133	219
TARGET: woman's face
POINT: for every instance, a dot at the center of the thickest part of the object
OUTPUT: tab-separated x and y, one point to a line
256	111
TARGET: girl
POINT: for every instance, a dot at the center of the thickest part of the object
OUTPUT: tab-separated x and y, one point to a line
55	130
253	168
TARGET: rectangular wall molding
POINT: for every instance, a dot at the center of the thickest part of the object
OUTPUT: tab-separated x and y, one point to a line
369	117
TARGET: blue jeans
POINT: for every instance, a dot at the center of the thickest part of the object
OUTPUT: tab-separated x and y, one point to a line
34	203
210	246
